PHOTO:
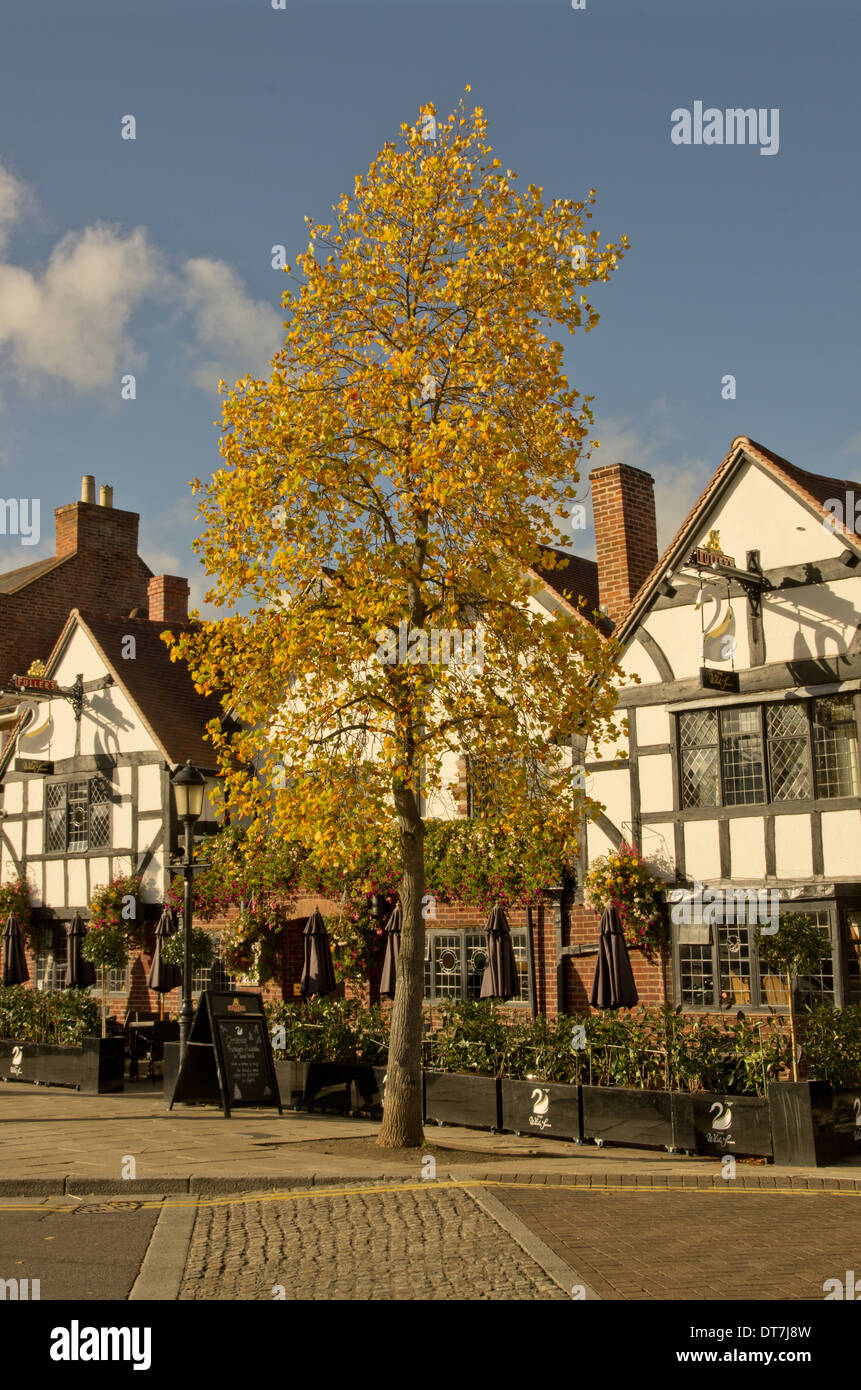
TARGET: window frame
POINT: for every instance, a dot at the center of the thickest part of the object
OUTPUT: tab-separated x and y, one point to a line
837	931
762	706
520	939
90	780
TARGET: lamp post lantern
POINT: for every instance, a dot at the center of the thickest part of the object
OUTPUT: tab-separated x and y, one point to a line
189	785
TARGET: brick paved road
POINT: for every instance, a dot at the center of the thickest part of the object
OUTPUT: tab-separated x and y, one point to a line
708	1244
401	1244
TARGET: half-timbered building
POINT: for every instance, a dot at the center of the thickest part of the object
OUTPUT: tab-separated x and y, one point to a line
742	657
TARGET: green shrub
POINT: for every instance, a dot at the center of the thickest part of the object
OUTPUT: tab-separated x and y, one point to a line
58	1016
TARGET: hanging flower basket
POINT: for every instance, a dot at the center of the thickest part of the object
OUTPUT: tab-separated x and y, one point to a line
621	880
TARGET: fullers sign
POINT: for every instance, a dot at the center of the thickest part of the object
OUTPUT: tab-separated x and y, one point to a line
34	683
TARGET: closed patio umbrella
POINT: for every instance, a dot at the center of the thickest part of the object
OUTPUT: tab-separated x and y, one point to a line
80	974
163	976
318	972
15	970
613	986
390	959
500	979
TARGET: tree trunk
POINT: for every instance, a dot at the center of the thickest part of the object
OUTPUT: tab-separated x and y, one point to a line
792	1028
402	1110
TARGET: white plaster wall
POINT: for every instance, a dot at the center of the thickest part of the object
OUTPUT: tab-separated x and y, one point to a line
13	802
658	848
14	831
613	790
653	724
149	788
100	873
36	794
77	884
597	843
812	622
152	883
841	843
54	891
747	848
793	849
121	819
702	850
656	783
637	662
35	836
756	513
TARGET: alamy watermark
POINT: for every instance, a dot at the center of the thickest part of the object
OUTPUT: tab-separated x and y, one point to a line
735	126
726	906
843	512
21	517
439	646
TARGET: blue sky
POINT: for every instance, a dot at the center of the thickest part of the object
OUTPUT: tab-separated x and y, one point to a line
153	256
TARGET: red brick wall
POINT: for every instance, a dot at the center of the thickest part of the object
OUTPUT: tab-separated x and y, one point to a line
102	571
649	976
623	505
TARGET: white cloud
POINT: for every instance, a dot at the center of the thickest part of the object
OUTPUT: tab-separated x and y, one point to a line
647	446
69	324
16	198
235	335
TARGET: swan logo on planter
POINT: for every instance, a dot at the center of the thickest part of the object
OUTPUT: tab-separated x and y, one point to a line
541	1104
720	1130
856	1106
17	1060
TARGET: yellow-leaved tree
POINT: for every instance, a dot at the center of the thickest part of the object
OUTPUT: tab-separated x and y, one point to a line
382	498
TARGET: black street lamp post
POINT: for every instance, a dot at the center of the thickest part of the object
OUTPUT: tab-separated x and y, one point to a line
188	786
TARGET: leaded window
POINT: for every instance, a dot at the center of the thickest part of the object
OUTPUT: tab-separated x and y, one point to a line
747	755
455	961
77	816
49	968
698	734
717	963
835	746
788	752
741	757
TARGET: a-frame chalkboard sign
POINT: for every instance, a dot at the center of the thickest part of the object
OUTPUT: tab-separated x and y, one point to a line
229	1054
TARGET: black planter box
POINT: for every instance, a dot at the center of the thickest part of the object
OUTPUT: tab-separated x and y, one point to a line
170	1067
547	1108
847	1123
95	1067
739	1125
802	1123
292	1079
453	1098
629	1115
340	1087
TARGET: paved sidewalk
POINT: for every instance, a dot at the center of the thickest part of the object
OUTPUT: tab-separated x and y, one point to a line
54	1141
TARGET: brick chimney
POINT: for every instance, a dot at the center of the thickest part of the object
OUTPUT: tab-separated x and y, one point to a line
623	506
168	599
107	536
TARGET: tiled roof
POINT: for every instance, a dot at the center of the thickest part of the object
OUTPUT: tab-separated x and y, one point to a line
573	578
814	488
13	580
162	690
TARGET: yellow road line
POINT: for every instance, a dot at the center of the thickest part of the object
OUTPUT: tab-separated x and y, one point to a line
375	1189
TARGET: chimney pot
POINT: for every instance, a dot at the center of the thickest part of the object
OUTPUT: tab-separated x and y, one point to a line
88	488
106	496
